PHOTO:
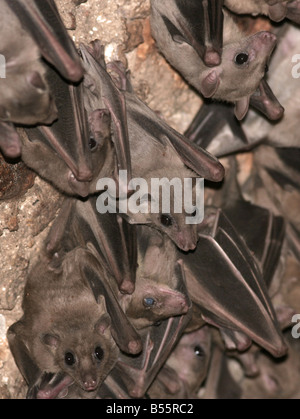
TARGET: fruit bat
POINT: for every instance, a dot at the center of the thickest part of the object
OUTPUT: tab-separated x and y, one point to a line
64	328
221	269
276	10
80	153
186	368
148	135
160	290
244	59
137	258
132	375
135	374
31	30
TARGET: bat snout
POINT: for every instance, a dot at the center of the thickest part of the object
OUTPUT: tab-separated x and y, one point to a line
263	42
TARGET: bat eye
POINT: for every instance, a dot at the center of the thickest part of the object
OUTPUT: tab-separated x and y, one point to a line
149	302
69	358
266	68
198	351
99	353
92	143
166	220
241	58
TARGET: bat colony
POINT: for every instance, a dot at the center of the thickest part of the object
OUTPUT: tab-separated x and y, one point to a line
143	304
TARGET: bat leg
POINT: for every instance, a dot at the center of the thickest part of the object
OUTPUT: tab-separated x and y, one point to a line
41	19
266	102
10	143
213	119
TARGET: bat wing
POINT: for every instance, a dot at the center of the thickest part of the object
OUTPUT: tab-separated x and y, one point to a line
216	129
73	165
199	24
220	383
262	231
135	374
193	156
42	21
123	332
113	100
223	279
114	240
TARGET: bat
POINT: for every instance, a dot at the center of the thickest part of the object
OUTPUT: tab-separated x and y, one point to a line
160	290
218	285
77	153
186	368
113	240
276	10
64	328
244	59
30	30
136	374
171	150
156	289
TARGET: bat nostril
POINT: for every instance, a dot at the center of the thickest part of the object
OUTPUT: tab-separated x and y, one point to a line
90	384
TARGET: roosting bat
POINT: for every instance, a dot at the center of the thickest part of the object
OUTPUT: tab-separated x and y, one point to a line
64	328
160	290
186	367
243	64
225	282
29	30
150	136
153	278
77	154
277	10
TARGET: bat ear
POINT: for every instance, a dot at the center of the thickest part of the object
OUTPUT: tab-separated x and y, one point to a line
210	84
35	80
103	324
241	107
51	340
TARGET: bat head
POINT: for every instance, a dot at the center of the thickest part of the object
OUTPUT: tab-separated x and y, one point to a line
244	64
153	302
164	205
84	350
191	356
